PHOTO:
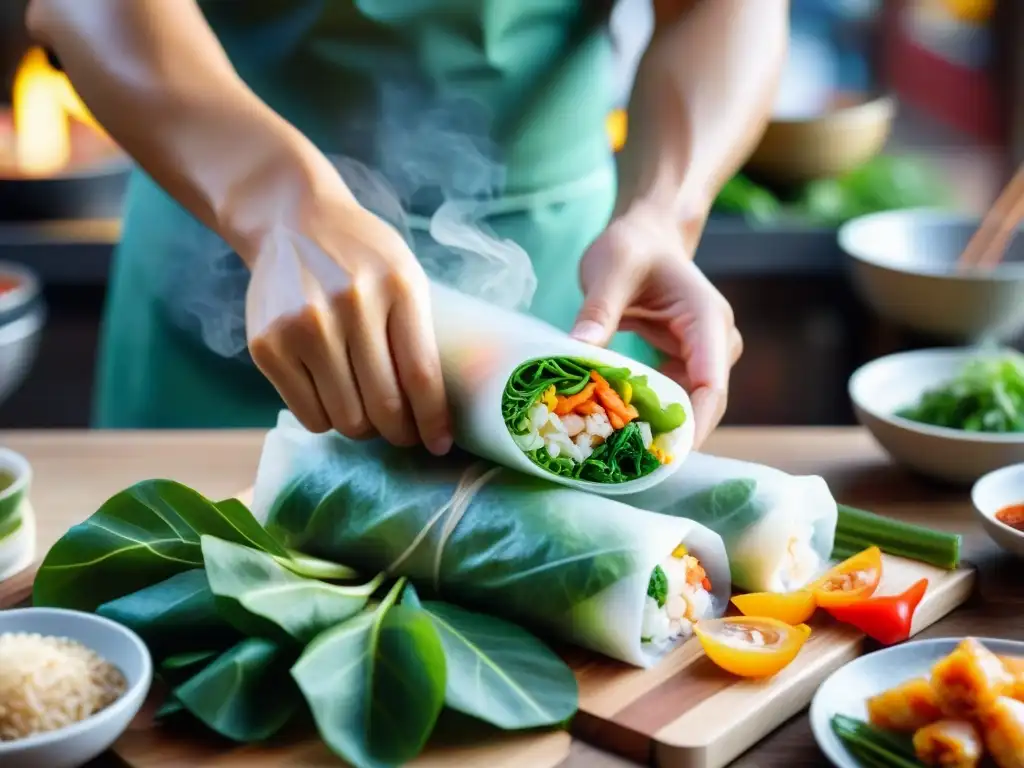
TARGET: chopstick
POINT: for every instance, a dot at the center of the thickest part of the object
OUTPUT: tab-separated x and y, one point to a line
16	589
988	245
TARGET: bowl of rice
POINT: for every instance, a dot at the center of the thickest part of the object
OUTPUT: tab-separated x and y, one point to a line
70	684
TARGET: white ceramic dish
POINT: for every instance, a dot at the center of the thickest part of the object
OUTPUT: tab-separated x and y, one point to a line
903	268
79	743
17	519
881	387
847	690
993	492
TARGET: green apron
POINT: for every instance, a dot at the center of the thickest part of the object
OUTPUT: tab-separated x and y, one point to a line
436	94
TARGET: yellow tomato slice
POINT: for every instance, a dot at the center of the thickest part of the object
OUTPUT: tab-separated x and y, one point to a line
791	608
751	646
851	581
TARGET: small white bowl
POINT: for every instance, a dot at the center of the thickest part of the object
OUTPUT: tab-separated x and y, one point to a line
846	691
993	492
903	265
77	744
880	388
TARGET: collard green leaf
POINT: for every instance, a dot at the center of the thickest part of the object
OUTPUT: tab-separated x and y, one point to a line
180	667
375	684
245	694
140	537
497	672
314	568
250	584
175	616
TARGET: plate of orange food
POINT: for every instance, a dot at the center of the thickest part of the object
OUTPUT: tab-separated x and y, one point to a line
943	702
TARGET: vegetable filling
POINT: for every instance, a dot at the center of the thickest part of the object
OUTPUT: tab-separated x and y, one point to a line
589	422
678	595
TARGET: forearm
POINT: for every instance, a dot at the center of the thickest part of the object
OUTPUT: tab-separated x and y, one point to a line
154	75
703	95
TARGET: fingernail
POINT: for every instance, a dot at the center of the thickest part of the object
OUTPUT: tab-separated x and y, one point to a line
439	446
589	331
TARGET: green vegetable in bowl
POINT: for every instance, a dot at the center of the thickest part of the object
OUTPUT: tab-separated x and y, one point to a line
987	396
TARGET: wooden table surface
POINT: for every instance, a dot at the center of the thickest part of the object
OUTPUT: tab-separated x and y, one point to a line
76	471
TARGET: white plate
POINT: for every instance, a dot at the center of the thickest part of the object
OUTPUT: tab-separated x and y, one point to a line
847	690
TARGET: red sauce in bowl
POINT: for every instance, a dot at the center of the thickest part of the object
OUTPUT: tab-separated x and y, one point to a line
1013	516
8	284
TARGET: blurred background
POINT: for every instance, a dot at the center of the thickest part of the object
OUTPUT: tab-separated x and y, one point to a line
884	105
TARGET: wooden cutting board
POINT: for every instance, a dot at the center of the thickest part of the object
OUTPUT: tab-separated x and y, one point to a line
456	742
687	713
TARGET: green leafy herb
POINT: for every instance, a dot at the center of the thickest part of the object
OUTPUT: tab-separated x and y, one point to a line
497	672
174	616
138	538
245	694
532	379
254	584
754	202
621	458
879	747
657	587
375	684
987	396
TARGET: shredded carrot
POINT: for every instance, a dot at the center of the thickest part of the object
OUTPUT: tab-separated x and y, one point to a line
616	420
612	403
566	404
589	408
706	583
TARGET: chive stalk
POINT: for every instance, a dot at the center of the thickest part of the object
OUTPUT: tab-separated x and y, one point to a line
875	748
857	530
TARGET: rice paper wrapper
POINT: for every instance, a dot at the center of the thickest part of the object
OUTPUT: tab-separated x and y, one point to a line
481	345
563	562
778	528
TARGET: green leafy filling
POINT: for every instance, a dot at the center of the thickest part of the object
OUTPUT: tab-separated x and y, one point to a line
657	587
987	396
619	459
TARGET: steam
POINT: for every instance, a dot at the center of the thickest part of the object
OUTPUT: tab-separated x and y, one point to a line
438	178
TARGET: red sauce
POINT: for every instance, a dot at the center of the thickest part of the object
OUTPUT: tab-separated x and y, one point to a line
8	284
1013	516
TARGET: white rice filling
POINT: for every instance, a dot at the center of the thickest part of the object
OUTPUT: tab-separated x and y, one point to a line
684	605
800	563
573	436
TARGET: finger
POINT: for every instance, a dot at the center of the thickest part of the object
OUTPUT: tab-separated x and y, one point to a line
292	381
410	328
604	302
735	346
708	409
331	370
364	311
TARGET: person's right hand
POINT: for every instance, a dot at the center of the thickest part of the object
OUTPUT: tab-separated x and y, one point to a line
338	319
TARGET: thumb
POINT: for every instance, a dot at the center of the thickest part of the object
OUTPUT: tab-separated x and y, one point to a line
603	304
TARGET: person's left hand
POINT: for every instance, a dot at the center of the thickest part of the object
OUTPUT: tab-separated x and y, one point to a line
639	276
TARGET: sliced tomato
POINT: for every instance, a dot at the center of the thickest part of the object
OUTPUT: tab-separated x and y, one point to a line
851	581
792	607
750	646
886	619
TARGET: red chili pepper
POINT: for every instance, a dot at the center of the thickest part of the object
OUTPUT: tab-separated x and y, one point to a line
886	619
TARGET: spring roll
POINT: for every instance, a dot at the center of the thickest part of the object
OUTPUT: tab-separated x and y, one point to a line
906	708
526	396
778	528
950	744
585	569
1002	725
970	679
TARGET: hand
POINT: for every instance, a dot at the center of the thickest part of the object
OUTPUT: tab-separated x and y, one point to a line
338	318
639	276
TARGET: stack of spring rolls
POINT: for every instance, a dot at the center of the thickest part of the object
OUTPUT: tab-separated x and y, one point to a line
575	505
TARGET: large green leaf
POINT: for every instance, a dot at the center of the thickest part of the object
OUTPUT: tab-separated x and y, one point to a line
175	670
175	616
251	583
725	508
375	684
246	694
138	538
497	672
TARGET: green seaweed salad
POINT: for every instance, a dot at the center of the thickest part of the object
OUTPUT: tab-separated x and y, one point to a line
628	452
987	396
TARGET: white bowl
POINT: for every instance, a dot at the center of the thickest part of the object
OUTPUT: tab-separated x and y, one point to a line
903	268
77	744
993	492
846	691
879	388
